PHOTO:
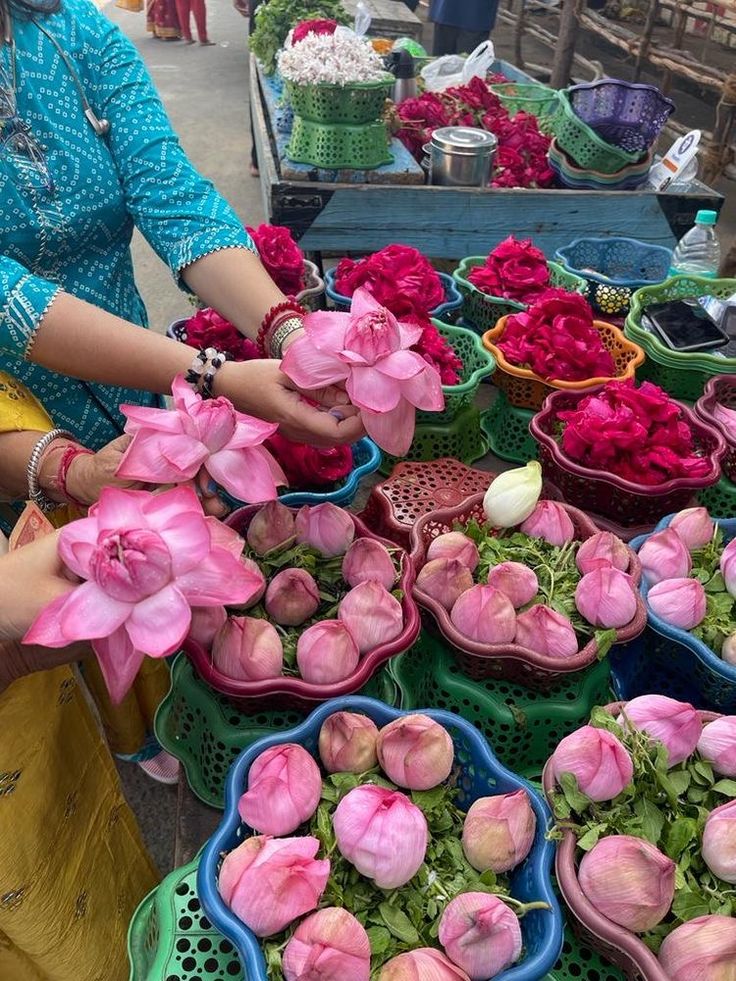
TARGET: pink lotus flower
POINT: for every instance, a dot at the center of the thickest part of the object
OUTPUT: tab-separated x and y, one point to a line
271	528
498	831
326	527
551	522
603	549
330	945
292	597
146	560
368	559
480	934
382	833
454	545
719	842
546	631
372	615
415	752
606	598
728	566
516	581
421	964
326	653
269	882
368	350
664	555
717	745
628	880
694	526
170	446
284	788
597	759
248	649
485	615
347	743
206	621
445	580
679	602
675	724
703	949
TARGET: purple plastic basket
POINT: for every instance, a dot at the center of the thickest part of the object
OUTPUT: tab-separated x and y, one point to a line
627	115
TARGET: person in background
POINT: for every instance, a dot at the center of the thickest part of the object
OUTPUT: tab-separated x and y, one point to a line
162	20
185	9
461	25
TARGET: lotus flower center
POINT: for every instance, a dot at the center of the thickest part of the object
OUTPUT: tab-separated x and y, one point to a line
373	335
131	565
215	423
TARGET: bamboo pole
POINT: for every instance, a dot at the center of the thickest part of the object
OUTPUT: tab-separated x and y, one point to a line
565	50
646	38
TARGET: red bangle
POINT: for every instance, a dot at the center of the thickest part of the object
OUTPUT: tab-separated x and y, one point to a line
70	454
268	324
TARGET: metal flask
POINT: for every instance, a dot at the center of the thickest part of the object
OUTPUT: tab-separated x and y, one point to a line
460	156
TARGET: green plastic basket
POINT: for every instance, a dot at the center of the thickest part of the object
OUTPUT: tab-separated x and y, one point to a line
532	97
170	938
205	732
355	104
507	431
337	146
720	499
484	311
579	963
683	383
584	145
477	365
523	726
461	438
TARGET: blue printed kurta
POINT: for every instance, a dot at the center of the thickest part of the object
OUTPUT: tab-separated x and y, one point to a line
77	236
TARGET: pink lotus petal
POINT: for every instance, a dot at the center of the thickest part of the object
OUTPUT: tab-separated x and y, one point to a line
246	474
90	613
326	331
402	364
370	389
221	536
424	390
185	398
158	625
363	302
147	417
45	629
76	544
309	368
119	662
160	509
251	433
394	430
220	580
410	333
188	540
118	509
162	458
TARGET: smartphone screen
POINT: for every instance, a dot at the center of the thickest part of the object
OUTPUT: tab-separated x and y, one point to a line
684	327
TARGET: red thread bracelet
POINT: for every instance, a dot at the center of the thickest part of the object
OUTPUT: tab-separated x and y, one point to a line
290	307
70	454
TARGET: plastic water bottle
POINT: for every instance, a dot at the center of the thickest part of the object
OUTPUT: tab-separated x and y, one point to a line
698	253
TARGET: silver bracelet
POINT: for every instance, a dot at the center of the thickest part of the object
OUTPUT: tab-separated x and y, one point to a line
35	493
283	331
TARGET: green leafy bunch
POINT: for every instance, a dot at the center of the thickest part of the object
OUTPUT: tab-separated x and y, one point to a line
720	616
275	18
667	806
553	565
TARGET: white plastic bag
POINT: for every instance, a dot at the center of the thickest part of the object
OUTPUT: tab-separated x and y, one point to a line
362	19
442	73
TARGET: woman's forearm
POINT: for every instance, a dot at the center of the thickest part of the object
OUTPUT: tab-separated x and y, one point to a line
15	452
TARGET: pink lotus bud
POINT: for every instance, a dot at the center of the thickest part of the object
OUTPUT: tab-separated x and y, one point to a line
271	528
206	621
717	745
326	653
597	759
454	545
498	831
550	521
415	752
728	649
485	615
269	882
326	528
719	842
382	833
368	559
248	649
679	602
347	743
664	556
421	964
628	880
603	549
675	724
728	566
545	631
372	615
445	580
330	945
480	934
606	598
702	949
694	526
515	580
292	597
284	788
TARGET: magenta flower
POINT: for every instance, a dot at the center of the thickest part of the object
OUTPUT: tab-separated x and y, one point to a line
368	350
146	560
170	446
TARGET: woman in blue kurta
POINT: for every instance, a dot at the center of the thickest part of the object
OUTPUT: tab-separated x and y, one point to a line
461	25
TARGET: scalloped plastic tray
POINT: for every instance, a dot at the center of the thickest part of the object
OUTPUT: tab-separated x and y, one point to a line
461	438
507	431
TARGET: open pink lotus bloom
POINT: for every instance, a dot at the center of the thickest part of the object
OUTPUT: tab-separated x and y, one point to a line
146	559
368	350
170	446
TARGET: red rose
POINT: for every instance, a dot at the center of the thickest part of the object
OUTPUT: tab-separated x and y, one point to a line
281	257
313	27
206	328
307	467
398	276
515	270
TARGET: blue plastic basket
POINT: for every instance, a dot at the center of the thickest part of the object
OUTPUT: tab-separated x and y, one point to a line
614	269
671	661
453	298
482	774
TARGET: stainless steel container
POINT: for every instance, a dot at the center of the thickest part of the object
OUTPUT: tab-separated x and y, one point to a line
460	156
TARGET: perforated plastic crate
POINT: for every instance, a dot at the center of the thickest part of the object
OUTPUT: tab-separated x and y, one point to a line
461	438
507	431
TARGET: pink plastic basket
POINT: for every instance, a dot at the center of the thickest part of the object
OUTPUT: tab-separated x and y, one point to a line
295	693
509	661
720	390
606	494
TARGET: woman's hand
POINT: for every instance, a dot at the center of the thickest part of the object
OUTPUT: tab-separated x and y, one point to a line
30	578
90	472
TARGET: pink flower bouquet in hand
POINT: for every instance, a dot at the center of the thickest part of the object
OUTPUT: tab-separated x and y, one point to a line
170	446
146	560
368	350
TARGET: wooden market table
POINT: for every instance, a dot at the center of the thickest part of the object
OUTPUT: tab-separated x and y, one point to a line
361	211
389	18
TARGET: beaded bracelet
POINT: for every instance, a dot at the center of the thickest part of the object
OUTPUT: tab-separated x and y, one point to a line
277	314
201	375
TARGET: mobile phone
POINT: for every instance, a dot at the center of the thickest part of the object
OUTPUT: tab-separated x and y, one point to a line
683	327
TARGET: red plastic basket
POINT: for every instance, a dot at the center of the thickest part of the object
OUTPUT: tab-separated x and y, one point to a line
720	390
295	693
620	946
604	493
509	661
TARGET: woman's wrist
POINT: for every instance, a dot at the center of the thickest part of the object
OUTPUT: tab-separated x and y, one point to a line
62	474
